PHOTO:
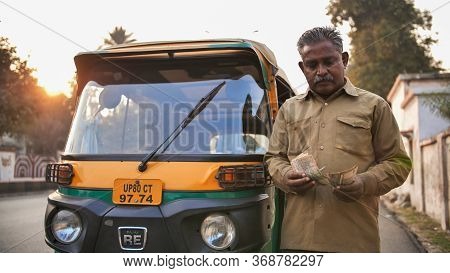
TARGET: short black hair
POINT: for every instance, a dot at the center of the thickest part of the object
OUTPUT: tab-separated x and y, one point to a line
319	34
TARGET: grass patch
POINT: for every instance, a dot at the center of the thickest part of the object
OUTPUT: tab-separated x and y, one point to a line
429	231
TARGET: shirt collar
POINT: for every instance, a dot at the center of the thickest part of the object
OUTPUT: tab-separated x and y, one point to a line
348	87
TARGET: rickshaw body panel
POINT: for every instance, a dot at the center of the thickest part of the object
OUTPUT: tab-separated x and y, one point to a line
182	176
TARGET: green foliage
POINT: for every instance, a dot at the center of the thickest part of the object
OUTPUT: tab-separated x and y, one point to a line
50	128
25	108
385	40
17	91
439	104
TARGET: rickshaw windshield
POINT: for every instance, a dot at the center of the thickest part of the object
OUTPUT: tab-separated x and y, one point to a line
135	118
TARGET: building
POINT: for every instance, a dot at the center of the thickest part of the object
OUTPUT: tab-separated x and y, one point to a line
427	139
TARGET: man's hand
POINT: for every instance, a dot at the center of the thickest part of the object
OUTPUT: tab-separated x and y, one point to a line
298	183
350	192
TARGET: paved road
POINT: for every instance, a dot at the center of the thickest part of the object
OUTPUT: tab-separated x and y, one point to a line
394	239
22	222
22	227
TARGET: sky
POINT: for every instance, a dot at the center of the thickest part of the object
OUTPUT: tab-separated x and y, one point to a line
50	33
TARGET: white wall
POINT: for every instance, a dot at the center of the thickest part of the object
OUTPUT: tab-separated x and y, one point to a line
7	161
407	119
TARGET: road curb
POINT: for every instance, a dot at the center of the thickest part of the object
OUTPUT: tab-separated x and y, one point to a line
19	187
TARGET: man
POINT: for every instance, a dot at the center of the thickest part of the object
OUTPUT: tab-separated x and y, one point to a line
346	130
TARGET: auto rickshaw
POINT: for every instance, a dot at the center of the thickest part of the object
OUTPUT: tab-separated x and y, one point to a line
165	152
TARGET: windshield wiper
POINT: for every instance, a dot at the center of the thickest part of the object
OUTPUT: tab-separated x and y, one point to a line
194	112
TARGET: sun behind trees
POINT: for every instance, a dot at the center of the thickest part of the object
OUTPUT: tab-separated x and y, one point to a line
28	114
385	40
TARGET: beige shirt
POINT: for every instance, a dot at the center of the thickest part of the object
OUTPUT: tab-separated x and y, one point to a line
352	127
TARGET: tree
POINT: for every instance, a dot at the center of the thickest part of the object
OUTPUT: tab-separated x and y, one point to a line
439	103
18	91
49	131
385	40
25	108
118	36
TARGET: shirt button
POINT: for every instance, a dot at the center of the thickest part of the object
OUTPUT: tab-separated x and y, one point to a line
323	125
326	103
321	147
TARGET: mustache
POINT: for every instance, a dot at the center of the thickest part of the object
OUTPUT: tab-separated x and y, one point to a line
327	77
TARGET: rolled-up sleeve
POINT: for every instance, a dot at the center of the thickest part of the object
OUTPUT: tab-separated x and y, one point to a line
276	157
392	164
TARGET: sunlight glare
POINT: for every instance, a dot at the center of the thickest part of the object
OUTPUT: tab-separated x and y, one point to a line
54	84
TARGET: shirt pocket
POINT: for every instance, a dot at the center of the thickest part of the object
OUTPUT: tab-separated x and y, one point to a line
353	135
299	133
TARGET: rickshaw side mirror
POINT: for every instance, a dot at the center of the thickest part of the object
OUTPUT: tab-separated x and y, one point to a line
110	98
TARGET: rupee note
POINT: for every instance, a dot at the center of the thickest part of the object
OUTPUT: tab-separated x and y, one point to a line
305	163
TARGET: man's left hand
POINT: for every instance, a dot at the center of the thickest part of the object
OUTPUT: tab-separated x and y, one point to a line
350	192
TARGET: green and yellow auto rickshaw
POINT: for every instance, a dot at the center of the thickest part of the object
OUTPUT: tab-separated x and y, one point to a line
165	151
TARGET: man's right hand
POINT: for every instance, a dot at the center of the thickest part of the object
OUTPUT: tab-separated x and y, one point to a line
298	183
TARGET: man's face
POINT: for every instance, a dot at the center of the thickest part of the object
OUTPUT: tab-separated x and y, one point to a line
324	67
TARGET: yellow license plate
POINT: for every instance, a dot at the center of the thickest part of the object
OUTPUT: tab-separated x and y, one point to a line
137	192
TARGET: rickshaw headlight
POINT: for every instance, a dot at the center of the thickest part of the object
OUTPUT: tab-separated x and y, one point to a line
66	226
218	231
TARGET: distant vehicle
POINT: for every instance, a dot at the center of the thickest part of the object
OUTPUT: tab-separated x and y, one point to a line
165	152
